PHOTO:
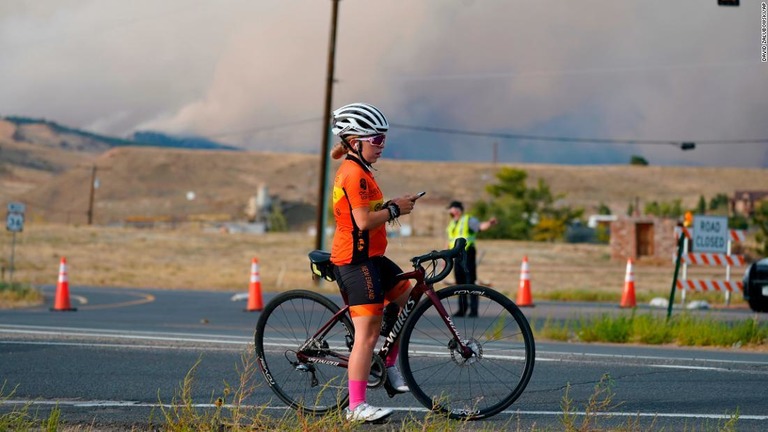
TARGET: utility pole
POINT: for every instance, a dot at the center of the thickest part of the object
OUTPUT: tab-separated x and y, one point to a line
322	193
93	193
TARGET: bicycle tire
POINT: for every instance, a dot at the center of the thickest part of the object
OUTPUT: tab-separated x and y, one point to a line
285	324
474	388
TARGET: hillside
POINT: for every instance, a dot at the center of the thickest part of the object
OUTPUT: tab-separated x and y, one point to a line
32	151
49	168
152	182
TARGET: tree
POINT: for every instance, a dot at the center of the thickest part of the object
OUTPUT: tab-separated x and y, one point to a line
524	212
652	208
276	219
603	209
701	207
760	220
718	201
672	209
638	160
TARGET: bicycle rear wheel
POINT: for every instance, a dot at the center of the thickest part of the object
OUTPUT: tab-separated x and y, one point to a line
487	382
286	325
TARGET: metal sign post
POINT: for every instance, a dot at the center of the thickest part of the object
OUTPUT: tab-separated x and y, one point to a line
14	222
680	245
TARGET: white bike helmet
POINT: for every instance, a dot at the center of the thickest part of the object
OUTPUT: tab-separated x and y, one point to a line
359	119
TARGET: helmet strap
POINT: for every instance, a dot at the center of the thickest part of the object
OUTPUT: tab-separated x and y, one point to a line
359	153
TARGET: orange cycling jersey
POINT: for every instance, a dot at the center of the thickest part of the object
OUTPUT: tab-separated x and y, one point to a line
354	187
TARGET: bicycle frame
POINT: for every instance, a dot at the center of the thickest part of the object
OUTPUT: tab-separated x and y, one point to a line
419	289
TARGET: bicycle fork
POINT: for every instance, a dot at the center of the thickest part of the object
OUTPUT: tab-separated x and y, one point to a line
456	343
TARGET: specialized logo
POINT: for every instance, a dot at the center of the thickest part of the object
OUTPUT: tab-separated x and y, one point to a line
363	184
406	312
324	361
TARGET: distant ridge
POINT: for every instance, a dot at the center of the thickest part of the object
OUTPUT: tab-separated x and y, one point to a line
61	129
160	139
140	139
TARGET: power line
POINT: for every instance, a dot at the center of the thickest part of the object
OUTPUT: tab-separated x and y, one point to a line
256	130
500	135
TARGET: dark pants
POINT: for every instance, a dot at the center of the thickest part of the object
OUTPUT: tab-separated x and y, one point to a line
467	277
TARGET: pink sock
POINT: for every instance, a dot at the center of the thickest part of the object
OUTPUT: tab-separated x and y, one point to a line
356	393
392	355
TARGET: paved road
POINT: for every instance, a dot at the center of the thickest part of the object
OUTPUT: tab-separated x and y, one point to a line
121	358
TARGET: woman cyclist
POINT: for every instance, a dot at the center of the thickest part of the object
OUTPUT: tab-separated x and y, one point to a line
364	275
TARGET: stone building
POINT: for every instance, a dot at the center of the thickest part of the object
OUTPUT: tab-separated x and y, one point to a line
745	202
643	237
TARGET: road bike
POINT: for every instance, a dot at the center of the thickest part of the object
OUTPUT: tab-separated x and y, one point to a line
465	368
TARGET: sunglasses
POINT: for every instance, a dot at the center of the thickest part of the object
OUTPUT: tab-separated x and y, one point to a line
375	140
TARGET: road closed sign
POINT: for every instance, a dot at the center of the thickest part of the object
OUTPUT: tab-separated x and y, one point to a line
710	234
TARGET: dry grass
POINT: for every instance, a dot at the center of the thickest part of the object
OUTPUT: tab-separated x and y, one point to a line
193	257
153	182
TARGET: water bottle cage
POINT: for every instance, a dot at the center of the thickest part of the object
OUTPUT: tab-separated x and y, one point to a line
390	317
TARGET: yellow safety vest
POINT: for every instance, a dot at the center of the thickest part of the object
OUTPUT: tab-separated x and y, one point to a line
460	228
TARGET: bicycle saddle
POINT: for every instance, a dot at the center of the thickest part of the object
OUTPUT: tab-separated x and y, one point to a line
321	265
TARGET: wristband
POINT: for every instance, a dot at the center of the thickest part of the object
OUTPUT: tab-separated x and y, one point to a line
394	211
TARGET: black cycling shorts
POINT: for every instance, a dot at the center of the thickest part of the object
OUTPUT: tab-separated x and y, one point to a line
365	286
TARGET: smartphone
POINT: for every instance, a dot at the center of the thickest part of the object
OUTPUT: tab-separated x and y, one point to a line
419	195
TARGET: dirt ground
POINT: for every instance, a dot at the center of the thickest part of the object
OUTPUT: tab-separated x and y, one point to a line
197	257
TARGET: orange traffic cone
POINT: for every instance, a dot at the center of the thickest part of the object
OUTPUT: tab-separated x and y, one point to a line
255	303
61	302
524	290
628	296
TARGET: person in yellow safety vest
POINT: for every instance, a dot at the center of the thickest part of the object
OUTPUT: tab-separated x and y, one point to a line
466	226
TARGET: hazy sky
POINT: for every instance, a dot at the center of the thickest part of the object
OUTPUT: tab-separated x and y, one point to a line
252	73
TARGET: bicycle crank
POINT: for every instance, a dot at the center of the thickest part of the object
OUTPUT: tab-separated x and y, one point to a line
378	372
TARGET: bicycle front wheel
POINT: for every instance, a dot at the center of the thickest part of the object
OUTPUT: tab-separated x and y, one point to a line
285	334
478	386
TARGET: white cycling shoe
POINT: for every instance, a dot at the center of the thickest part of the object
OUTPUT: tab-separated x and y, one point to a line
396	380
367	413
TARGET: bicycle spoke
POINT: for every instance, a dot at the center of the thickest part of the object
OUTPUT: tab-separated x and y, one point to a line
287	324
481	384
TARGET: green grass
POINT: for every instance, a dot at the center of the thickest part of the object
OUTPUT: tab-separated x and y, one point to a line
22	419
587	295
581	295
18	295
683	329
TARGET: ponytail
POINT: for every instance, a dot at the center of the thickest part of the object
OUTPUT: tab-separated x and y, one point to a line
339	150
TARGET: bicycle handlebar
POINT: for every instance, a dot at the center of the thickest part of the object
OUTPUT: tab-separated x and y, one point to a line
447	256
